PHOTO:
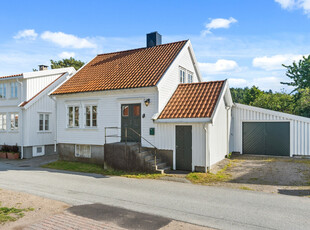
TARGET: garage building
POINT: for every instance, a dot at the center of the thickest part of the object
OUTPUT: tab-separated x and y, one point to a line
265	132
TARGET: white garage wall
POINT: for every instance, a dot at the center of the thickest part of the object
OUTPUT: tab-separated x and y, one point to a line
299	127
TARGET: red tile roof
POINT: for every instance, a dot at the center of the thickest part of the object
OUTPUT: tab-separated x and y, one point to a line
16	75
123	70
26	102
195	100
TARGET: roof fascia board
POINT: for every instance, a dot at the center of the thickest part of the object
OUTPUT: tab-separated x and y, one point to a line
184	120
275	113
219	100
194	60
48	72
11	78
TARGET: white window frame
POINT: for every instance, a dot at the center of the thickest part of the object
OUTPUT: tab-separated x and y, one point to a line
14	90
14	125
189	77
3	91
46	118
82	155
91	120
73	116
182	75
35	152
3	122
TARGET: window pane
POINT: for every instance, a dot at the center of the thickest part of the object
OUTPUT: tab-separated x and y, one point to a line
4	122
94	115
47	121
125	110
76	116
88	115
1	121
41	122
16	120
70	116
136	110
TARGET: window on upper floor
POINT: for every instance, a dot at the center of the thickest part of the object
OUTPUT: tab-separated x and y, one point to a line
2	91
14	121
2	121
91	116
189	77
44	120
182	76
14	89
73	116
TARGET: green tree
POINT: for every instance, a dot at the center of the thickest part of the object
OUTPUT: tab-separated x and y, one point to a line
302	102
299	73
281	102
238	94
69	62
251	95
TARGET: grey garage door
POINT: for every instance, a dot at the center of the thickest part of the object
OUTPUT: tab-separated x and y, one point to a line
266	138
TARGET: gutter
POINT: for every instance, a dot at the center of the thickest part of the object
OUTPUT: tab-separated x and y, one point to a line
55	121
207	130
22	120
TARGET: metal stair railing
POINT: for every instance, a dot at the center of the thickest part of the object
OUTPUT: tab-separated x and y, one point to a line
126	139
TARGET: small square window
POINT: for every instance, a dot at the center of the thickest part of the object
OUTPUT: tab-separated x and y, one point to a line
125	110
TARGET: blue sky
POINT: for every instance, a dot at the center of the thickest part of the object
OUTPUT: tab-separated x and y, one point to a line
245	41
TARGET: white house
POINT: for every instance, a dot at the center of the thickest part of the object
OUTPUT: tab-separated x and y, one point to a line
27	117
155	95
138	89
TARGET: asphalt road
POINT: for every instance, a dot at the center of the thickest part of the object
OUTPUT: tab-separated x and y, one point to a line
208	206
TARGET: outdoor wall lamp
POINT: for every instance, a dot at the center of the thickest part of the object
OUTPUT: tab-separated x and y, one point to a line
147	102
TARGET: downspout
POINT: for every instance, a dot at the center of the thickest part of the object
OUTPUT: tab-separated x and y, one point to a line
55	126
207	130
228	132
22	120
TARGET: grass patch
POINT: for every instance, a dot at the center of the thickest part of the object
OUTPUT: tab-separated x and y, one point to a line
246	188
12	214
206	178
93	168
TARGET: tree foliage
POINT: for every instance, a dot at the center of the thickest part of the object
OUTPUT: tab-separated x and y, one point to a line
299	73
69	62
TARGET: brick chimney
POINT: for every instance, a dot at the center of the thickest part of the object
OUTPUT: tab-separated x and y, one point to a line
43	67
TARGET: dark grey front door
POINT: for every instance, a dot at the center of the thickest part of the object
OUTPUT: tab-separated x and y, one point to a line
131	119
266	138
184	148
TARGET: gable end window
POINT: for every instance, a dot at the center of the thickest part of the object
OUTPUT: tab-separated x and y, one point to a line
91	116
14	90
44	120
182	76
189	77
2	122
73	116
2	91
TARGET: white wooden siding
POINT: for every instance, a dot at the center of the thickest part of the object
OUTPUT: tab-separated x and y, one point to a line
171	78
109	115
165	139
219	134
299	127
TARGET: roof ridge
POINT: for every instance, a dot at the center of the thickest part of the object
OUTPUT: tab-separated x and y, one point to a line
142	48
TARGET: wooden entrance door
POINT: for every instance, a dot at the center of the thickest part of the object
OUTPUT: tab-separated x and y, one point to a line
131	119
184	148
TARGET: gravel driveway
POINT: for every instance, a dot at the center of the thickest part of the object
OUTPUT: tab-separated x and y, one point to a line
288	176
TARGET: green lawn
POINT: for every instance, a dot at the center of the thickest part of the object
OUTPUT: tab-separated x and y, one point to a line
93	168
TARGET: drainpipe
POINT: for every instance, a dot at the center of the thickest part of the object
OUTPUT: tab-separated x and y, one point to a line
55	125
228	132
207	130
22	120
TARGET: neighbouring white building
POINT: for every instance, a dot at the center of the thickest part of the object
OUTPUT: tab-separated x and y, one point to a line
27	113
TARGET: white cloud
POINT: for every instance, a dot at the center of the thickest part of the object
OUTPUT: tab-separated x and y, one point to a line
295	4
219	23
275	62
65	55
67	40
237	82
219	67
29	34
